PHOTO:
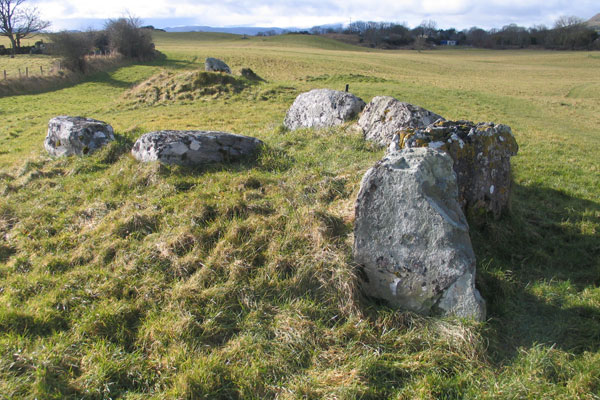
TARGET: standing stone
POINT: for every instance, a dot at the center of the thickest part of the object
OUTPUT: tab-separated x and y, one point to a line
411	237
481	154
192	148
384	116
76	136
321	108
216	65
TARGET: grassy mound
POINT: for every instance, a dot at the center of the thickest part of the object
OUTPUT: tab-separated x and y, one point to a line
169	86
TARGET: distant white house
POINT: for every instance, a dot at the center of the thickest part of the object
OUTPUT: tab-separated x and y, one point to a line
448	42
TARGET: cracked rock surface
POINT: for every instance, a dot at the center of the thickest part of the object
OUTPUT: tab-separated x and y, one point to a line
411	238
321	108
384	116
481	154
191	148
76	136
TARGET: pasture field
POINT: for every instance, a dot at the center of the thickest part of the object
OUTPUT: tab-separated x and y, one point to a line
135	281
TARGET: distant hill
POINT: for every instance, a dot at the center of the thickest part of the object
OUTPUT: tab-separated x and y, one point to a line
235	30
594	21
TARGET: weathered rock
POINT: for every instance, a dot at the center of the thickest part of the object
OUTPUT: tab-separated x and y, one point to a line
251	75
321	108
192	148
411	237
216	65
384	116
481	154
76	136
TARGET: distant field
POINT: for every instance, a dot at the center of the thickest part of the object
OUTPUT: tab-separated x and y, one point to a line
134	281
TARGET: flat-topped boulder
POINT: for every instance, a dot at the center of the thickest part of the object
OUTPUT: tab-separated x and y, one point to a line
191	148
216	65
411	238
481	154
76	136
321	108
384	116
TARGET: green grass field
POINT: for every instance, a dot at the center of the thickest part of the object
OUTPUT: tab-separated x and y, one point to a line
124	280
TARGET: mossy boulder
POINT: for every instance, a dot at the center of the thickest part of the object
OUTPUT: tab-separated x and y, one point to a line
193	148
481	154
411	238
76	136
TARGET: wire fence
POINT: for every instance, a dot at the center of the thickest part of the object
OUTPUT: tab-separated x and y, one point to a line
27	72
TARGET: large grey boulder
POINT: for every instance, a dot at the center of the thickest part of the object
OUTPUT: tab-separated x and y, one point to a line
411	237
216	65
384	116
76	136
321	108
481	154
191	148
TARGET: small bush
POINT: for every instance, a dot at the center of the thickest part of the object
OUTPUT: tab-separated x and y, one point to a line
126	36
72	47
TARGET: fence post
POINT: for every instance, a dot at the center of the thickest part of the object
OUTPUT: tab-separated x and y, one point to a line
4	74
41	70
27	72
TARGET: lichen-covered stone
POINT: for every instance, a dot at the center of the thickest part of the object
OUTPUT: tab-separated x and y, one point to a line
481	154
411	238
384	116
192	148
76	136
216	65
321	108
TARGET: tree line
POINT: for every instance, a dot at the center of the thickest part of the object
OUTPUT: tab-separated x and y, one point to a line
568	33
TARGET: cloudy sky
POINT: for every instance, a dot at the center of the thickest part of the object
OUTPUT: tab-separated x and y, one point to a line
80	14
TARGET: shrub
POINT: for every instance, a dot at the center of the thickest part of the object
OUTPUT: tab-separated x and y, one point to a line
71	47
127	37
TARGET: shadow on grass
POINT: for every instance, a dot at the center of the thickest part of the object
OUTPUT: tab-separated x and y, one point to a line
535	265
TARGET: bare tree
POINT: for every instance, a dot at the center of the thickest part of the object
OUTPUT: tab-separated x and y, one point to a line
30	24
18	22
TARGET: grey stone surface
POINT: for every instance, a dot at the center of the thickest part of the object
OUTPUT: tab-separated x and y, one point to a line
191	148
481	154
76	136
216	65
411	238
384	116
321	108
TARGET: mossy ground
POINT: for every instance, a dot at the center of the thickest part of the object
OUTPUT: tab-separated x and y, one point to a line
128	280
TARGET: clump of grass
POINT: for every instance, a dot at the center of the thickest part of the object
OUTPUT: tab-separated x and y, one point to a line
170	86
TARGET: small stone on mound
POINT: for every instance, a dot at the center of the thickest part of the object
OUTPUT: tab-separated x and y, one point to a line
251	75
321	108
216	65
384	116
191	148
76	136
411	237
481	154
